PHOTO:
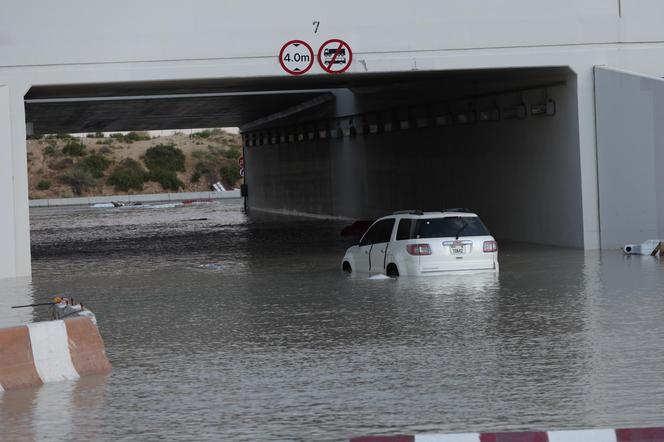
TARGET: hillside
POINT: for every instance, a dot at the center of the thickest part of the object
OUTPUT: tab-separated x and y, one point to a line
61	166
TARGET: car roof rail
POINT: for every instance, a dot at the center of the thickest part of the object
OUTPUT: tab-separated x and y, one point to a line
408	212
458	209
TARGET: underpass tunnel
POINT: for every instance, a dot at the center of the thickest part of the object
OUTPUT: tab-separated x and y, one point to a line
501	142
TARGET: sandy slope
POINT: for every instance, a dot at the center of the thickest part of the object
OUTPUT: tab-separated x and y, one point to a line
44	167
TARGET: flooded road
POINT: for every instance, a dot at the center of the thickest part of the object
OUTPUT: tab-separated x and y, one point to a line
222	327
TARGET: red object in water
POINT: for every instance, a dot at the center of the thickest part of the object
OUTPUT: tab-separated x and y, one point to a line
529	436
640	435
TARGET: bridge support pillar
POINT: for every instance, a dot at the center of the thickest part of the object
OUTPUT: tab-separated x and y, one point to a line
14	215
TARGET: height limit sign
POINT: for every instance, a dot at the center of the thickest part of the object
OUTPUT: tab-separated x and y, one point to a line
296	57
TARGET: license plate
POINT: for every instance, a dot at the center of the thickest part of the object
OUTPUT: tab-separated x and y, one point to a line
456	248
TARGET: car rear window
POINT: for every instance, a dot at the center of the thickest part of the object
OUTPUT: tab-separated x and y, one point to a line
448	227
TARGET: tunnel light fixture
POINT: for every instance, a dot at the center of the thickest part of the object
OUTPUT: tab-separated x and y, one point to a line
422	123
337	132
490	114
321	130
291	136
548	108
371	123
343	131
404	119
517	112
351	130
444	120
465	117
387	121
311	133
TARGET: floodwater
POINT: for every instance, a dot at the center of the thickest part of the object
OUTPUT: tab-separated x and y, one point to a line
224	327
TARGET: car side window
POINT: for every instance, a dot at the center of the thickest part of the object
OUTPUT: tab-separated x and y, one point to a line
403	231
384	234
378	233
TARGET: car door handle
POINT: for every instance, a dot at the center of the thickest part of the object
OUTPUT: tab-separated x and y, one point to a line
366	252
382	251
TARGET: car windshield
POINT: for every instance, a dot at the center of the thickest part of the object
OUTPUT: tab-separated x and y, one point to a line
449	227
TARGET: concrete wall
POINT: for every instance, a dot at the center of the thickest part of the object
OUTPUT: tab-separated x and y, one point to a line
126	30
630	155
150	197
522	176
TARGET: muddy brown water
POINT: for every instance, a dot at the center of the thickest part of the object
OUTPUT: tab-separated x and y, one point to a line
224	327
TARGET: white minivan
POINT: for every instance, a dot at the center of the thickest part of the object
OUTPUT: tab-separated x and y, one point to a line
424	243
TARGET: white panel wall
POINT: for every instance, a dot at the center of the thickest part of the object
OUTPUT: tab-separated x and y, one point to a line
642	20
630	151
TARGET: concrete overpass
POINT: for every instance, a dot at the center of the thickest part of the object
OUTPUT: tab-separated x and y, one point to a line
446	103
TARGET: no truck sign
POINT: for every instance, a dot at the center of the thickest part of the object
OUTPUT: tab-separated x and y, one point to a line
296	57
335	56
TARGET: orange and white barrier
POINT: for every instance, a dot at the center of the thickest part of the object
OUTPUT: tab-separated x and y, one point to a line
50	351
655	434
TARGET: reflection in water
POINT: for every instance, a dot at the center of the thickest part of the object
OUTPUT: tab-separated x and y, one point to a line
245	329
52	411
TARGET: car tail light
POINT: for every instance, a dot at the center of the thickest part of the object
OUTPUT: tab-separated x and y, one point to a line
418	249
490	246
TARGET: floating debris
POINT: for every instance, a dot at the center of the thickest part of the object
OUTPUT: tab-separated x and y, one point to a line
210	266
651	247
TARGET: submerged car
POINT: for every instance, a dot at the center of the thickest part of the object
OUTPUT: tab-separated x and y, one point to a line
424	243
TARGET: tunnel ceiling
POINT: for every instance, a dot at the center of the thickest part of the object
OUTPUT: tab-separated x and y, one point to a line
238	101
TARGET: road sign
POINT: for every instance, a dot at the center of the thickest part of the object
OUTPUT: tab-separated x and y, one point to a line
240	161
335	56
242	171
296	57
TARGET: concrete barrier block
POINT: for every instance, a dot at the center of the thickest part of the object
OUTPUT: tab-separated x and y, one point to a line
108	199
39	203
50	351
17	365
86	347
76	201
150	197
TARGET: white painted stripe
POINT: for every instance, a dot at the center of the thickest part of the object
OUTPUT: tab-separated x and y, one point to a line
50	349
583	436
466	437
